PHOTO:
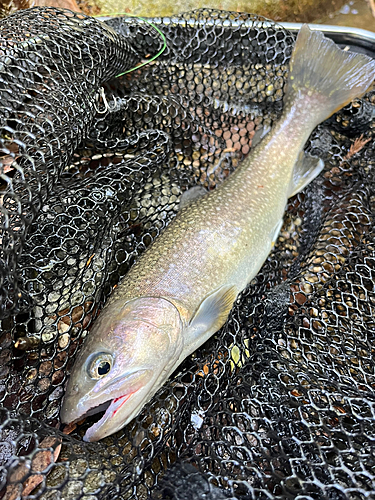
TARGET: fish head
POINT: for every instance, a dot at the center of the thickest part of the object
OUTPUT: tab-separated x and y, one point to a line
127	356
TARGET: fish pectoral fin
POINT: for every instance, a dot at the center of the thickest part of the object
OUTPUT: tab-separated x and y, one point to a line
305	170
192	194
212	312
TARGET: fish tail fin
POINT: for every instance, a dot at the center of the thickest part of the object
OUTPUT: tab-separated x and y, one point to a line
331	77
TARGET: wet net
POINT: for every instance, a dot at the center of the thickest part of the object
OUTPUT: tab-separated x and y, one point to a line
280	403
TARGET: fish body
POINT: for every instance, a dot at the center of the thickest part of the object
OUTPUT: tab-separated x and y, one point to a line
181	290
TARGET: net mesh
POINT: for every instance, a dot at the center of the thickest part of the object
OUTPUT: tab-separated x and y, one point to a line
280	403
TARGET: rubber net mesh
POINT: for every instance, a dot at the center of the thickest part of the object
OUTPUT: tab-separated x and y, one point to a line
280	403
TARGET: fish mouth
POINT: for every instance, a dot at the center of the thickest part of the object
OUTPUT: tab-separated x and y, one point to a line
119	390
110	407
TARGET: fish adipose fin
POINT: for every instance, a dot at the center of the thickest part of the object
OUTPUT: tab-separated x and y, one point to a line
275	232
322	73
260	133
305	170
192	194
211	313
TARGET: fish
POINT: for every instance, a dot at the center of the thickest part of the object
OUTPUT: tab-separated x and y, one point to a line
181	290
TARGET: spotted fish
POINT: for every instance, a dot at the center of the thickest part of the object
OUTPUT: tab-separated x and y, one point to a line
182	288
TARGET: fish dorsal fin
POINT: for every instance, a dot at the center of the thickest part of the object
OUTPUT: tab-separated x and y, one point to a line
210	315
305	170
192	194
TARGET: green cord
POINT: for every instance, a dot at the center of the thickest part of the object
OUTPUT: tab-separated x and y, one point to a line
157	30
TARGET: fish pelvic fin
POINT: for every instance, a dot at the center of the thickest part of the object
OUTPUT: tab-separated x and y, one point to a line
325	77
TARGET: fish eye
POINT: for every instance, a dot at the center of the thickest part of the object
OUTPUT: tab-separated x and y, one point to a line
100	365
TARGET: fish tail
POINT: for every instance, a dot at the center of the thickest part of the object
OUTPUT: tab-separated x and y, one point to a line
324	77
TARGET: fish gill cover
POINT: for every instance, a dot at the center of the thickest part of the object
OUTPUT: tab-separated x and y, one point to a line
280	403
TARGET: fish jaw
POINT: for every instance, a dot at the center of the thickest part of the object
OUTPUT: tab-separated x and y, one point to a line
99	430
110	396
121	409
141	341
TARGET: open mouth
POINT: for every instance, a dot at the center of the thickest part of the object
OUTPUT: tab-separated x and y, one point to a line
128	386
115	403
111	403
110	409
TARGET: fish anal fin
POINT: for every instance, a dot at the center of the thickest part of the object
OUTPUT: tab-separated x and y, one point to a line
211	313
305	170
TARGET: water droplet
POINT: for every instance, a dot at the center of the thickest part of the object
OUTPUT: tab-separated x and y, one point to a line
345	9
